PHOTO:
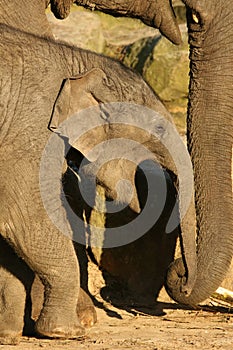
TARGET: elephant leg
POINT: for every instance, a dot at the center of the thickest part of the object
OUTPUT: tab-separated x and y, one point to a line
85	308
15	285
12	304
47	252
60	277
52	257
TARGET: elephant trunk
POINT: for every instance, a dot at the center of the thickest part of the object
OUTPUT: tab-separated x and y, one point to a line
210	136
158	14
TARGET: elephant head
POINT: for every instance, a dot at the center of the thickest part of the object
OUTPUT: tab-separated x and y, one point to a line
124	136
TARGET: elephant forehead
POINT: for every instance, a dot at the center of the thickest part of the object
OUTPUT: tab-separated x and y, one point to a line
115	140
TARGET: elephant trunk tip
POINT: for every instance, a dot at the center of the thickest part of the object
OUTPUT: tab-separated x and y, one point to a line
178	285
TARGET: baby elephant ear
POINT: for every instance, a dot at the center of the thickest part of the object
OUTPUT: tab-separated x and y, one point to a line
87	90
62	106
80	92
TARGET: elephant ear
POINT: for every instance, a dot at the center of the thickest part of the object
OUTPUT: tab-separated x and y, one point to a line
61	107
80	92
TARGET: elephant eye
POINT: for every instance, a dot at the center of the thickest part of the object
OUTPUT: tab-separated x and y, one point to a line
196	17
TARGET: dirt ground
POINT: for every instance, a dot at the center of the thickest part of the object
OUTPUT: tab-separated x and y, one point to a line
174	329
162	325
177	329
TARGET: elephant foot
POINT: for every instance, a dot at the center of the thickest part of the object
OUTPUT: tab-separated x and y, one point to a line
50	328
10	337
86	310
12	305
87	316
11	329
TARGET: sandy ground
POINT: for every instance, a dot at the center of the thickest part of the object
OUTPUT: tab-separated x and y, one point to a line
174	329
162	325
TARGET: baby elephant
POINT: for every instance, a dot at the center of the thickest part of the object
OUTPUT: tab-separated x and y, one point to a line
30	86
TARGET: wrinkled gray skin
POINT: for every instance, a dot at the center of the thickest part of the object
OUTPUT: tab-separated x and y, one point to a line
210	139
32	72
16	279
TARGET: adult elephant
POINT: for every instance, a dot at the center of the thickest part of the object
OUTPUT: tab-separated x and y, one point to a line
210	132
210	138
33	69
